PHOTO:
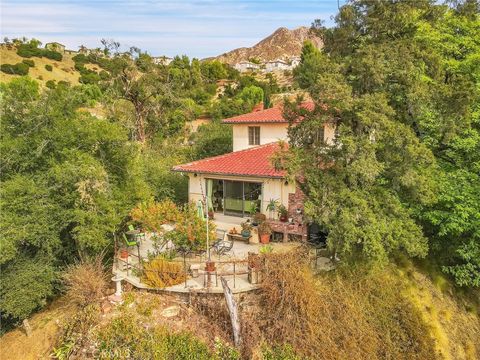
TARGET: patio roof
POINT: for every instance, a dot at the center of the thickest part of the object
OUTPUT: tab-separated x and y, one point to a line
253	162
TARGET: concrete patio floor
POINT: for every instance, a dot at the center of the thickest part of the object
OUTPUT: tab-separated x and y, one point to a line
235	274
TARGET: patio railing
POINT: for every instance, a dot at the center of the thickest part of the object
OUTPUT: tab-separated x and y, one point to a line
231	269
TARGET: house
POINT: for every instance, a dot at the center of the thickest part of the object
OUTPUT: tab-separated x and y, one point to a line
161	60
55	46
244	66
277	65
243	181
71	52
295	61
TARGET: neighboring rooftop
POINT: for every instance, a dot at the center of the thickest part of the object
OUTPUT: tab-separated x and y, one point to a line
272	115
253	162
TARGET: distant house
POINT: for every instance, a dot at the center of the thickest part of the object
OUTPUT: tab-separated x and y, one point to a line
295	61
161	60
243	66
55	46
71	52
277	65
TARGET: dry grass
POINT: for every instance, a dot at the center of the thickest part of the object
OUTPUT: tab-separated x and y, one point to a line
15	345
86	282
359	316
61	70
160	273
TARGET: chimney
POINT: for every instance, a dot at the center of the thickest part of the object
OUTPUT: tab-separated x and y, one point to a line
258	107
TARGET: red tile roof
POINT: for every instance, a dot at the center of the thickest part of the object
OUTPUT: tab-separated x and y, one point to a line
249	162
272	115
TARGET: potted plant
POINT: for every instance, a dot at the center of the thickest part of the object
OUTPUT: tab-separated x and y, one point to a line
246	229
272	207
258	219
282	213
264	230
124	253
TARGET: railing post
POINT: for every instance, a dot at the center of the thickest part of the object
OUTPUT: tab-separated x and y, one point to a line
234	275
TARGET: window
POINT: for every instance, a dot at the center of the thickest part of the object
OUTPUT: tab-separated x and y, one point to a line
254	135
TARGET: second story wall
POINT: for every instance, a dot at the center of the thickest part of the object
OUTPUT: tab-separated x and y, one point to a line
271	133
268	133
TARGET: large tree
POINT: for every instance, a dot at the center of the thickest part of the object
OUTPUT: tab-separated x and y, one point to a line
401	81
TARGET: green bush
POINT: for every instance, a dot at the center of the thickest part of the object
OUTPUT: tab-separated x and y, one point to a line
90	77
50	84
29	50
17	69
26	284
53	55
125	337
30	63
48	67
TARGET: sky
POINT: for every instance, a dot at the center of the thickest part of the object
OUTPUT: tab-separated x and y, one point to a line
197	28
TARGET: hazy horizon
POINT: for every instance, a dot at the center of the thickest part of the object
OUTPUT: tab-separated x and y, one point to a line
199	29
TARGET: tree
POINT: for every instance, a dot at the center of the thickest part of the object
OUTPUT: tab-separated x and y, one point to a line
420	59
68	179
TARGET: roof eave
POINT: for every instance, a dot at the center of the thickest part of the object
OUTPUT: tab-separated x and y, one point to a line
229	174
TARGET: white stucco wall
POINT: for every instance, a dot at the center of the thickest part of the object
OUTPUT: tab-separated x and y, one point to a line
268	133
272	188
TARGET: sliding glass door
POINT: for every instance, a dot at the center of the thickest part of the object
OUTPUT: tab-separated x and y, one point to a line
233	197
241	198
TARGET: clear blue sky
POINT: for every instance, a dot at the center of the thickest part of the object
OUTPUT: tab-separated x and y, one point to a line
197	28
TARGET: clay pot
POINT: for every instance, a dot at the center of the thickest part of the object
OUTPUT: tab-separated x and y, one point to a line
283	218
124	254
209	266
265	238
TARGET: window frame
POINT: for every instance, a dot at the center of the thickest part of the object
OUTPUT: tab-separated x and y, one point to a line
253	135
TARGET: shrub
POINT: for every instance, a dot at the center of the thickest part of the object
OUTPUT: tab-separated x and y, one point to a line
126	337
53	55
48	67
50	84
30	63
151	215
26	284
29	50
90	77
341	316
161	273
85	282
17	69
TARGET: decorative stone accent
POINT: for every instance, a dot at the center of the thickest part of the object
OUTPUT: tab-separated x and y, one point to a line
295	205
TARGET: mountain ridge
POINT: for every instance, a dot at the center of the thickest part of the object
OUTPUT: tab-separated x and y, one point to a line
281	44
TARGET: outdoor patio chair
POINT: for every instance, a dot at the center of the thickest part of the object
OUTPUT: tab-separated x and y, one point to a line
129	242
139	236
223	247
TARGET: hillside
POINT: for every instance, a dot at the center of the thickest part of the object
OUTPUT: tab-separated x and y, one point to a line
61	70
409	317
283	43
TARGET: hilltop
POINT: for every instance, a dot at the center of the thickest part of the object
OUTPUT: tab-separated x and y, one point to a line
63	70
283	43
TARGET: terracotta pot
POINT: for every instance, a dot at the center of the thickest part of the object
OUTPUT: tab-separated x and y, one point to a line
123	254
209	266
283	218
211	215
265	238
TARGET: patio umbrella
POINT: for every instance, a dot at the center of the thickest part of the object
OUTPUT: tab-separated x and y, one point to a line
201	213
